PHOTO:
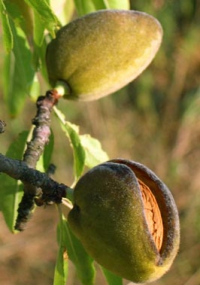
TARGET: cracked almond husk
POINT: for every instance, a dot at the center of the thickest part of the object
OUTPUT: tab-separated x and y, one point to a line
126	219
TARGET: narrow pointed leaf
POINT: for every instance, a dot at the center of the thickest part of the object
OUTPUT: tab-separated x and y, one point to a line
118	4
38	30
64	10
77	254
61	269
72	132
7	33
21	14
19	73
111	4
88	6
84	7
47	16
93	150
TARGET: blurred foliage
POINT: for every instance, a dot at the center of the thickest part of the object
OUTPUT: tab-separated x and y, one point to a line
154	120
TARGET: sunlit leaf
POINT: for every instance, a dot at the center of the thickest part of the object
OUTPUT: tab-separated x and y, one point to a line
38	59
11	189
119	4
93	150
47	16
64	10
61	269
77	254
35	89
87	6
7	33
72	132
20	13
38	29
19	74
79	153
87	150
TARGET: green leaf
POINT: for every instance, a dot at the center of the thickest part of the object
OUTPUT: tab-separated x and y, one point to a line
11	189
111	278
46	15
88	6
118	4
7	33
82	261
38	30
39	62
21	15
35	89
87	150
61	269
19	73
64	10
77	254
72	132
93	150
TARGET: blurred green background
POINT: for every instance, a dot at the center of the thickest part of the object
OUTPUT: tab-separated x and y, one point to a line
154	120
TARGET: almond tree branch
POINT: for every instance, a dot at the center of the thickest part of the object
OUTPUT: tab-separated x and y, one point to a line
35	148
17	169
41	133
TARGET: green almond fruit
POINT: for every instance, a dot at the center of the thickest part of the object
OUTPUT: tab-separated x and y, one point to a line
126	219
99	53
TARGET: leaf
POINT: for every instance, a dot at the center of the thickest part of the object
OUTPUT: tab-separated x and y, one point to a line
7	33
87	6
35	89
21	15
61	269
79	153
87	150
46	15
72	132
64	10
111	4
38	30
77	254
39	62
111	278
11	189
119	4
19	73
93	150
